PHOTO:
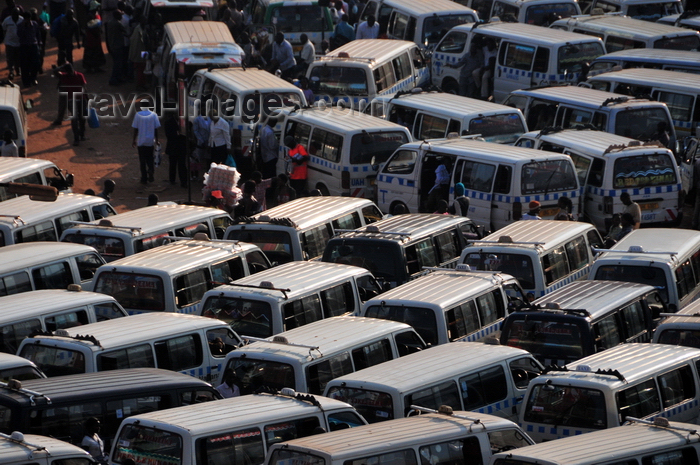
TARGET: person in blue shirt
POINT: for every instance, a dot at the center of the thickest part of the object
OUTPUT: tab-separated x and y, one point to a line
343	33
282	56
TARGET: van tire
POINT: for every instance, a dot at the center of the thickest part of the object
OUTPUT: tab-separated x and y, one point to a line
450	86
392	209
323	189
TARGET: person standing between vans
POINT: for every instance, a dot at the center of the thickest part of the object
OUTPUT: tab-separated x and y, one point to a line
368	29
219	139
484	75
9	148
300	159
632	208
269	152
343	33
282	56
229	388
534	213
201	128
71	90
67	29
469	63
440	188
29	42
565	208
307	55
9	28
145	126
92	441
460	204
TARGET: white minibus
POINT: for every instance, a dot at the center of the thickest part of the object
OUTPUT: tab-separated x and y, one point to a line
435	115
235	430
658	442
435	437
308	357
421	21
608	165
672	60
290	295
167	11
646	10
146	228
536	12
678	90
526	55
361	70
397	249
542	255
25	220
32	171
246	97
499	180
344	148
300	229
582	318
573	107
171	341
450	305
681	328
622	32
52	309
46	265
668	259
29	449
174	277
600	391
473	376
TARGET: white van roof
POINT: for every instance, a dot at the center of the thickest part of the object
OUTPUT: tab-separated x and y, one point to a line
330	336
11	361
147	220
575	95
679	241
440	288
15	212
532	34
249	79
662	55
597	143
11	167
427	7
28	254
177	257
624	26
668	80
455	106
443	361
346	120
30	448
402	228
309	211
199	32
689	314
295	278
633	361
546	233
594	297
10	95
229	414
26	305
112	334
372	51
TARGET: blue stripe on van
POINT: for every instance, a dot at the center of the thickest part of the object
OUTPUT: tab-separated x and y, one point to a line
539	197
498	406
400	181
634	191
483	332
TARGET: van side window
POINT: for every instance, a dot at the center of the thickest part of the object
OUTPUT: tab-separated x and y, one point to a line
402	162
371	214
484	387
116	409
685	280
454	42
462	320
448	246
523	370
432	127
491	307
638	401
15	283
300	131
402	66
384	77
448	452
503	179
195	397
241	446
33	178
328	144
302	311
40	232
577	253
107	311
517	56
541	60
349	221
687	455
404	457
408	342
433	397
221	341
12	335
140	356
66	221
371	354
398	25
541	114
225	272
193	88
477	176
190	287
67	320
54	276
635	319
595	177
314	240
87	265
555	265
424	253
256	263
319	374
677	386
606	333
179	353
505	12
338	300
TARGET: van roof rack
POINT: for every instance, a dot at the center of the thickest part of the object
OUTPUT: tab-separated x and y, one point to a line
265	285
15	219
615	101
583	369
447	411
61	332
375	230
18	438
694	315
635	249
343	57
661	422
284	341
507	240
16	386
282	221
289	392
105	223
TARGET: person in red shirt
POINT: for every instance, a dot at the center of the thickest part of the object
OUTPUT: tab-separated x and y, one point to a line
71	89
299	158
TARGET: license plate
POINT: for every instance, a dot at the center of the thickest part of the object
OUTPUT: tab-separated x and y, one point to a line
648	206
549	211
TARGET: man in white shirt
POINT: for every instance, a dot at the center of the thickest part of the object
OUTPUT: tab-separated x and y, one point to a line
307	56
9	27
219	139
92	441
145	126
534	213
229	388
368	29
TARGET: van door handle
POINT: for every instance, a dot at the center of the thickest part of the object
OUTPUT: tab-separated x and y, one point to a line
519	400
499	72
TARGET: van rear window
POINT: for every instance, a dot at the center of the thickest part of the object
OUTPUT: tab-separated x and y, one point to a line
641	123
385	262
338	80
514	264
277	245
111	248
148	445
374	406
575	407
7	123
434	26
644	171
298	18
133	291
254	374
541	15
422	319
642	274
54	361
246	317
502	129
680	337
689	42
545	338
572	57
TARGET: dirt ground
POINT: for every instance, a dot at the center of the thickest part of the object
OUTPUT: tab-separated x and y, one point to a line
107	152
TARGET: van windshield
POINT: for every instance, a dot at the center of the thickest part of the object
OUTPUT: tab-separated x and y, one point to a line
254	374
572	57
246	317
374	406
133	291
382	260
422	319
680	337
298	18
514	264
574	407
642	274
541	15
54	361
277	245
655	169
547	338
435	27
548	176
338	80
379	145
689	42
111	248
501	129
148	445
641	123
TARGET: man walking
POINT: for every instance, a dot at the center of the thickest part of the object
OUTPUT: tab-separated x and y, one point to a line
269	149
145	126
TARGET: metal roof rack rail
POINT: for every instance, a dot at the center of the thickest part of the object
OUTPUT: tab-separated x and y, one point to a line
18	438
661	422
265	285
694	315
15	219
105	223
446	410
16	386
635	249
282	340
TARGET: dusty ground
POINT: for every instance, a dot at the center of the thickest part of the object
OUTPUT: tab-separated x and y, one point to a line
107	153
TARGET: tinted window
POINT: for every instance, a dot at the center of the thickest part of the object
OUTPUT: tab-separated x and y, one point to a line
434	396
55	276
302	311
15	283
132	357
638	401
483	388
319	374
